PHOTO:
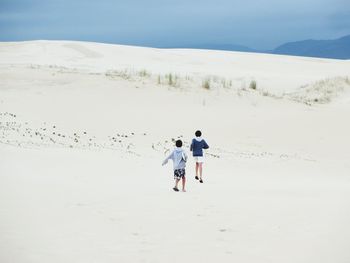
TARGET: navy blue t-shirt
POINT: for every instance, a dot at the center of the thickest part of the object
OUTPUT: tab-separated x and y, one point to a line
198	146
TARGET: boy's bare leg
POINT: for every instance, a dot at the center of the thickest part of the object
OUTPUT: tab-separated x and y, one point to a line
183	184
197	166
200	170
177	183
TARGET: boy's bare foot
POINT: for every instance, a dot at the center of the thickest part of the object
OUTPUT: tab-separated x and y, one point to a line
197	178
201	180
183	190
175	189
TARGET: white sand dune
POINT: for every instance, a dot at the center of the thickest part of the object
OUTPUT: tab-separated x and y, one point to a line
84	128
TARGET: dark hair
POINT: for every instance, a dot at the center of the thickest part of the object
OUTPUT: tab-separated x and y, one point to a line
178	143
198	133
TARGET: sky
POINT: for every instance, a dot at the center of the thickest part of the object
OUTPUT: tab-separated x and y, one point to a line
259	24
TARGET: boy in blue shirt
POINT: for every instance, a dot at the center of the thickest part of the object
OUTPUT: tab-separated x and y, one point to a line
179	158
197	146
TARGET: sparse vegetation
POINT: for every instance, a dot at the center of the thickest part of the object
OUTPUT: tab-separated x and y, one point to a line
253	85
144	73
206	84
320	92
124	74
226	84
188	78
172	80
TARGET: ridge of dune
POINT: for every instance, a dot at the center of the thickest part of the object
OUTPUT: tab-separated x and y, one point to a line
267	69
274	74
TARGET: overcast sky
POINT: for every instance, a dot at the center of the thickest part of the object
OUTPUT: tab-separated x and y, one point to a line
261	24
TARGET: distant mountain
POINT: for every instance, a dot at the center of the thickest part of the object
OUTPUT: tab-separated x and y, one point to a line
338	48
227	47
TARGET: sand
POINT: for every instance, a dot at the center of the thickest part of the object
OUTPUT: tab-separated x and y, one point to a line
84	128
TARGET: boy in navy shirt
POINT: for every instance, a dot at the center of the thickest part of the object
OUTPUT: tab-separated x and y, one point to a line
197	146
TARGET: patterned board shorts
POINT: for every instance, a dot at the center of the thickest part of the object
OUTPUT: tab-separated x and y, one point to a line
179	173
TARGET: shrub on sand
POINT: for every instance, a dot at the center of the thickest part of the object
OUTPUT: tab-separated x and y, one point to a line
206	84
253	85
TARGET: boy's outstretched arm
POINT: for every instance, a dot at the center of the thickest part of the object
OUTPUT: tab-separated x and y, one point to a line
191	146
167	159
